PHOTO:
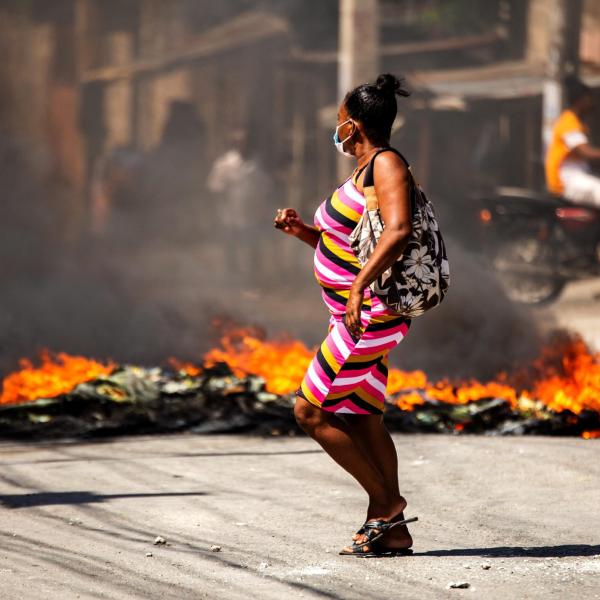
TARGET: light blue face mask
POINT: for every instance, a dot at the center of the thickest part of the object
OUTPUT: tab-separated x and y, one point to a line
340	144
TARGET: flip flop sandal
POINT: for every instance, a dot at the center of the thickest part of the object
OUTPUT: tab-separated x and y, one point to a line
362	529
374	530
378	551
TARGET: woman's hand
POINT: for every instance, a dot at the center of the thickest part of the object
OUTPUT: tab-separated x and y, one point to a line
288	220
351	318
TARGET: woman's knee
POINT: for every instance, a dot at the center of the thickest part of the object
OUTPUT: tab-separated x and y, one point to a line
307	415
364	423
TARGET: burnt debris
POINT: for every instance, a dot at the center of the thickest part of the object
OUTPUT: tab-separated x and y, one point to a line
139	400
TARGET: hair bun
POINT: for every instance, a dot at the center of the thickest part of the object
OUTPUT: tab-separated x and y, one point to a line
390	84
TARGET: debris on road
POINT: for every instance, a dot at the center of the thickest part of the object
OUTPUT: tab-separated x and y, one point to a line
138	400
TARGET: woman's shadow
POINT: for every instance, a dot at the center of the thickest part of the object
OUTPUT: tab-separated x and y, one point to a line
508	551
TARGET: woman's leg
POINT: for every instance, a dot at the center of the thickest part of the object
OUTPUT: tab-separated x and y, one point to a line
336	438
373	437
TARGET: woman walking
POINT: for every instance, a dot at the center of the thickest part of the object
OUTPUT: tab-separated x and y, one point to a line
340	401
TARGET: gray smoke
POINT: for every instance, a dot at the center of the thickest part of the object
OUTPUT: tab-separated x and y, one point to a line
150	288
164	241
476	331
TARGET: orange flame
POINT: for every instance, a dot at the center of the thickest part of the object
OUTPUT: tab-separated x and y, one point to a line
282	363
54	377
573	381
186	367
565	376
443	390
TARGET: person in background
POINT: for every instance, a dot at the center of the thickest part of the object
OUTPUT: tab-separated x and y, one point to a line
242	190
112	184
567	165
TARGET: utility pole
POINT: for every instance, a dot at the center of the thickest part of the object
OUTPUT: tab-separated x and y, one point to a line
358	53
563	59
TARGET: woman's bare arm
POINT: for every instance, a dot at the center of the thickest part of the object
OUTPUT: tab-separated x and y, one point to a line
310	235
392	181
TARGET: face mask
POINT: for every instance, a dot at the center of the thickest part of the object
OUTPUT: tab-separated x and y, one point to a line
340	144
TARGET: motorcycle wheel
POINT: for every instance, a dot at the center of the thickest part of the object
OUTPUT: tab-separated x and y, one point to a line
523	264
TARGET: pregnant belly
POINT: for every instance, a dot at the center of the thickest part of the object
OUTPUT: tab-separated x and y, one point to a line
335	265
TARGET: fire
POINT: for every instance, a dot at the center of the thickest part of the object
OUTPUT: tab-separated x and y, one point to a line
443	390
282	363
187	367
565	376
55	376
572	379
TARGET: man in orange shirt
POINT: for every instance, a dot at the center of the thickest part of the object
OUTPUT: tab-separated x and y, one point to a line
569	153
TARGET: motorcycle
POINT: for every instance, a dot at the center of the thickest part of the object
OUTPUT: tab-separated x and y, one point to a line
537	242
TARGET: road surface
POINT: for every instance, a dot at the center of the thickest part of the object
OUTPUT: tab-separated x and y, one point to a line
512	517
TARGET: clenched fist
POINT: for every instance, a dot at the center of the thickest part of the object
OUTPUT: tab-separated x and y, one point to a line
288	221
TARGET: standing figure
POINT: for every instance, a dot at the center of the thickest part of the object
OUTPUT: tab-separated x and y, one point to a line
340	401
242	189
567	161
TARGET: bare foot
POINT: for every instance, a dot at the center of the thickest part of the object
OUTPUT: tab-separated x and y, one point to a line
396	537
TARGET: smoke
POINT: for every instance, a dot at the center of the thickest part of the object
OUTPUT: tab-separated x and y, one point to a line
137	266
140	298
144	283
476	331
166	265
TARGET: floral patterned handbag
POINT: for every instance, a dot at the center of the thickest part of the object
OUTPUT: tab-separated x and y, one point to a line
420	277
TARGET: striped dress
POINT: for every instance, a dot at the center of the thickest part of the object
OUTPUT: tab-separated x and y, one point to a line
348	375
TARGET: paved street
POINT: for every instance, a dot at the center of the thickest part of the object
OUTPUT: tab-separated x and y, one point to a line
78	519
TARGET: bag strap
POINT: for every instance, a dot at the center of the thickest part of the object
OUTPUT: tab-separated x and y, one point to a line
369	180
356	174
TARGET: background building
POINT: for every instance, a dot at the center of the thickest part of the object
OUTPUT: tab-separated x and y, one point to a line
116	115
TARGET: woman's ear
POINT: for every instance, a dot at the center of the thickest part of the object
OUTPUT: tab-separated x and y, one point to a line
356	131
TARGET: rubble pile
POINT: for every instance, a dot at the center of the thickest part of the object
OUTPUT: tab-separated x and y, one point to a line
138	400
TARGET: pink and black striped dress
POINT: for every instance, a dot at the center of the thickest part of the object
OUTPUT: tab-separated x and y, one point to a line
347	375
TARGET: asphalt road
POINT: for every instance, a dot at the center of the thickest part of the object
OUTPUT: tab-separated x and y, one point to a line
78	519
